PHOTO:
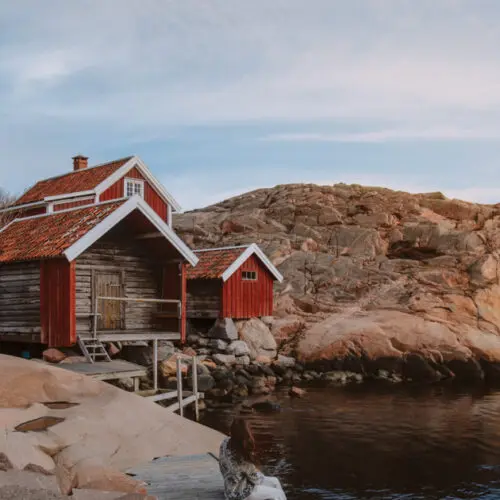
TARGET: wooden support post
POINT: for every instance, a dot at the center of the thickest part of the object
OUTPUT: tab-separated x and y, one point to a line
96	305
194	374
155	364
179	387
136	384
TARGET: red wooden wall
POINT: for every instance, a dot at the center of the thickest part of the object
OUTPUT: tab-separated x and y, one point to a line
248	299
70	204
174	287
153	199
58	302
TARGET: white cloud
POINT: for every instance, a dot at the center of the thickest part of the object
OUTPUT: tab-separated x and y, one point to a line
216	61
388	135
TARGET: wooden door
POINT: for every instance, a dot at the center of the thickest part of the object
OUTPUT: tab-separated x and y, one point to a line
110	284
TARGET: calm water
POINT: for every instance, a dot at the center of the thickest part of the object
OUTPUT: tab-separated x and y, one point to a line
381	443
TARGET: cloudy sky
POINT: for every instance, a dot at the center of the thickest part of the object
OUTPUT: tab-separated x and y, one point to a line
222	96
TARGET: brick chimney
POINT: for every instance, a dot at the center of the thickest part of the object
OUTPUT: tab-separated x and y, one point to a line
80	162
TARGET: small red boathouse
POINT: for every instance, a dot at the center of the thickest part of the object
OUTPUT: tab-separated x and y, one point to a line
231	282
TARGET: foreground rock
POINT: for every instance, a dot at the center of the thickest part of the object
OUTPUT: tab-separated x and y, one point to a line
375	280
106	432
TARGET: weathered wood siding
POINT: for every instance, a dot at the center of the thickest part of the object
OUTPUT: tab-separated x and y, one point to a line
57	302
204	298
248	299
152	198
174	288
141	279
20	299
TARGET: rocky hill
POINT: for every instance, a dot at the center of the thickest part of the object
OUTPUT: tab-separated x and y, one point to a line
375	280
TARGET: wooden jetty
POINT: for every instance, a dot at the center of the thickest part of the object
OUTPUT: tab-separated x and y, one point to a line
117	368
192	477
109	370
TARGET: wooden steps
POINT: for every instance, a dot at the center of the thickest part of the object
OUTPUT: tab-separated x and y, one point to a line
93	349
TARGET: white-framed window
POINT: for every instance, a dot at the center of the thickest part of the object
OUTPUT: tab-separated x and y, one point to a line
249	275
133	187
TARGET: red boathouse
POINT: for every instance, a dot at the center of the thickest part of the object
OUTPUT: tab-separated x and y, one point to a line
231	282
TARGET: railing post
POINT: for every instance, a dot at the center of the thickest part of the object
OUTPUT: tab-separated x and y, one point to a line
194	374
179	317
179	387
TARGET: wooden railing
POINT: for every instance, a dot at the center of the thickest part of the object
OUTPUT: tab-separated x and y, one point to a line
160	314
183	399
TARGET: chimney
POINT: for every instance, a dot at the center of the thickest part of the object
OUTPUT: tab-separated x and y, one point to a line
80	162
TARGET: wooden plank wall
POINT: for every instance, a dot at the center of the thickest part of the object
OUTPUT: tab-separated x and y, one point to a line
57	302
141	279
72	204
152	198
248	299
20	299
204	298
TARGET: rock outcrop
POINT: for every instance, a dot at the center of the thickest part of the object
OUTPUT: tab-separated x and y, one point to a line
374	279
96	438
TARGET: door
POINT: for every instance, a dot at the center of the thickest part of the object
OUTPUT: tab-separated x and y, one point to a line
110	284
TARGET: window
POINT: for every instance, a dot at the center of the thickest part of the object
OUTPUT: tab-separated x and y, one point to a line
249	275
133	187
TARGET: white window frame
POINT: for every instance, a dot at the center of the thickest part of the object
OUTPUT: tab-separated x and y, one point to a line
129	181
246	278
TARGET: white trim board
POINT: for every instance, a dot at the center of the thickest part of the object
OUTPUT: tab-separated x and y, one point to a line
71	209
85	198
253	249
133	203
221	248
135	161
76	194
33	204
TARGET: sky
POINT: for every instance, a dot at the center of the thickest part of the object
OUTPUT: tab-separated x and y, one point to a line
219	97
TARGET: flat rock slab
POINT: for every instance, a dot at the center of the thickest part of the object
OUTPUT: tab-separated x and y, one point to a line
195	477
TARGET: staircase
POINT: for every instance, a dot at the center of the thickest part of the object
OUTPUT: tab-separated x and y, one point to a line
93	349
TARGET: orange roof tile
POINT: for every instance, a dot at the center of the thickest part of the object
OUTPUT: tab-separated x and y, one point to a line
50	235
72	182
213	262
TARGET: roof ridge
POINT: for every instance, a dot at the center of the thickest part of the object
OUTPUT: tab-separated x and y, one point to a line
125	158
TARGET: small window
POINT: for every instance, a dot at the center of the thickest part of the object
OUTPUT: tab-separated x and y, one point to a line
133	187
249	275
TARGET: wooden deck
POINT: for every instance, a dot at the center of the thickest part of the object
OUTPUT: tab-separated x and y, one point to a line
107	370
193	477
132	336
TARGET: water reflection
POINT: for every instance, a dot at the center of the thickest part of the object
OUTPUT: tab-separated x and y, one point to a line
381	443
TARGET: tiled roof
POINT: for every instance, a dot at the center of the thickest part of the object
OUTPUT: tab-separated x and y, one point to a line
50	235
73	182
214	262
